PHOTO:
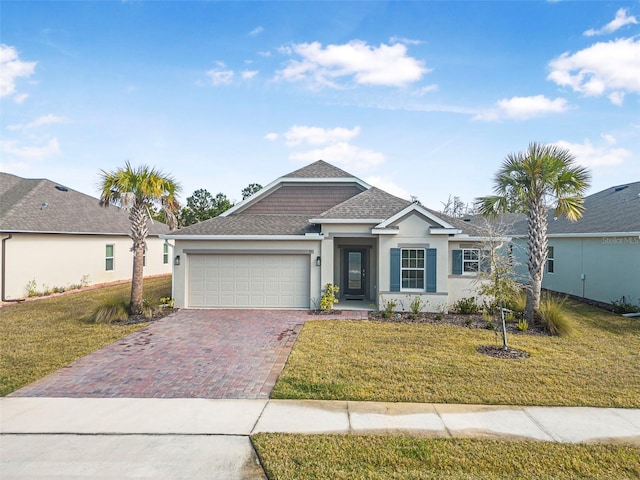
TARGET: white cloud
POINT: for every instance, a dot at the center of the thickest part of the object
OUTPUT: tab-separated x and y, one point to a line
272	137
622	19
589	155
49	119
256	31
342	154
522	108
220	75
300	134
11	148
20	97
422	91
611	68
12	68
249	74
405	40
264	54
386	65
389	186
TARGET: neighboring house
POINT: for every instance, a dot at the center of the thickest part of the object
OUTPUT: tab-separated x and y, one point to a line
54	237
319	225
597	257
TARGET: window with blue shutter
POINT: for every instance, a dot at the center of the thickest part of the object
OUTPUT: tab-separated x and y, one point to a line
457	262
431	269
394	284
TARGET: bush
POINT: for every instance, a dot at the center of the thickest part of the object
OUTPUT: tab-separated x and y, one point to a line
522	325
329	299
623	306
466	305
109	311
518	303
388	306
553	316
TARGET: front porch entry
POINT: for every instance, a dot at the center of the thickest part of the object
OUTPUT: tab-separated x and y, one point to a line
356	271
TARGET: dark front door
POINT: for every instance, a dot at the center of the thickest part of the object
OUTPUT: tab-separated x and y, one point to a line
354	281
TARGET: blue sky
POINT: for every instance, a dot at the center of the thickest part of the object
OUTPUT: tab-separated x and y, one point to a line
417	98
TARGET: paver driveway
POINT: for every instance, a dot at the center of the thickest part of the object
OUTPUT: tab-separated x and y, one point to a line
189	354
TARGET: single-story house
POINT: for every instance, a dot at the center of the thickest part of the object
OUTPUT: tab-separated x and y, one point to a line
54	237
320	225
597	257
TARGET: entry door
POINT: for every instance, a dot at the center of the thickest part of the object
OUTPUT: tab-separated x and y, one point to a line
355	272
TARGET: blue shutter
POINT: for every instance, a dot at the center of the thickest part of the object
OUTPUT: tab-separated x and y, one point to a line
394	284
431	269
457	262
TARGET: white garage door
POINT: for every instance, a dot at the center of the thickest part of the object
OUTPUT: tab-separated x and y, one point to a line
254	281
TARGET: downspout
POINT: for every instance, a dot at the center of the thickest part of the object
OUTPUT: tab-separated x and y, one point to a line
4	268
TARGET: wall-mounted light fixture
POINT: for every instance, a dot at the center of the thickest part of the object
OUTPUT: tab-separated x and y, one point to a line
177	260
318	261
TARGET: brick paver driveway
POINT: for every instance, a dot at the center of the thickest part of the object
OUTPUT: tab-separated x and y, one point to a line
190	354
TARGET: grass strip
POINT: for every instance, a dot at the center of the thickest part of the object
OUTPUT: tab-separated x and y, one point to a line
599	365
337	457
39	337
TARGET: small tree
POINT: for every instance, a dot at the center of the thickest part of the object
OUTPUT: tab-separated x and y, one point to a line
498	278
201	206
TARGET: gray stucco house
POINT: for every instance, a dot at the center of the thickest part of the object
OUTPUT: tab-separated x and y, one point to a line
53	237
319	225
597	257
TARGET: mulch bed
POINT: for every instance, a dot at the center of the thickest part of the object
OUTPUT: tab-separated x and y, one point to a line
157	315
499	352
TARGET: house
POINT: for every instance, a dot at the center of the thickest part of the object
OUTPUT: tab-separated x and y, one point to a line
598	256
54	237
319	225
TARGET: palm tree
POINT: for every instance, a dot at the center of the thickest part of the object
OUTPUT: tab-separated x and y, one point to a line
542	177
136	190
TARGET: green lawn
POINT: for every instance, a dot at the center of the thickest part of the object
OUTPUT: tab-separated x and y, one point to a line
337	457
41	336
599	365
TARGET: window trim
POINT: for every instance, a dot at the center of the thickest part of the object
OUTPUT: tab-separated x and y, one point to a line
476	261
414	269
165	254
107	257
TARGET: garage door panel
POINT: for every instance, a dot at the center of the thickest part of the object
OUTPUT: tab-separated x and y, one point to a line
261	281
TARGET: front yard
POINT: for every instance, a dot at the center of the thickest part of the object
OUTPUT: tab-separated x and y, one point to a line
599	365
41	336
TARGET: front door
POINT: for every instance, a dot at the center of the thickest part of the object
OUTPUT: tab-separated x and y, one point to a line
354	281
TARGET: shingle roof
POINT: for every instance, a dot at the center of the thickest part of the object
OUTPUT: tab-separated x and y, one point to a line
319	169
40	205
247	224
372	203
616	209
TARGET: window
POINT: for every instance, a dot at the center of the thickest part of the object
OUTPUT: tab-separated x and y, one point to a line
550	259
108	263
144	259
470	260
412	268
165	253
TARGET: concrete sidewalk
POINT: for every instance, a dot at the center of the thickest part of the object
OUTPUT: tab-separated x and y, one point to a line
202	438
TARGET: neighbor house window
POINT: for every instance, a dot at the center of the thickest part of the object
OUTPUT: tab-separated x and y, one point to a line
550	259
412	268
165	253
144	259
108	263
470	260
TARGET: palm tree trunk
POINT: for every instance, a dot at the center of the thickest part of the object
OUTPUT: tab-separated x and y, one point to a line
537	239
139	232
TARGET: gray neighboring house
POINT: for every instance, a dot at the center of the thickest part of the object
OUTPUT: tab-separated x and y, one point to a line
597	257
319	225
53	236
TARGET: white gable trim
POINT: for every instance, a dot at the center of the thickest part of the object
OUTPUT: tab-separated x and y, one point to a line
418	209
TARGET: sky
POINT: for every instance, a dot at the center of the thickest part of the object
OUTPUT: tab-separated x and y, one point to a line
422	99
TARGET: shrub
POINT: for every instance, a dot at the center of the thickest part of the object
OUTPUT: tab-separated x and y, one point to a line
109	311
553	317
388	306
31	289
466	305
623	306
522	325
518	302
329	299
417	304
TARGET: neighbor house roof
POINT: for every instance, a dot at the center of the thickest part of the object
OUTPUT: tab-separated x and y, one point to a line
614	210
43	206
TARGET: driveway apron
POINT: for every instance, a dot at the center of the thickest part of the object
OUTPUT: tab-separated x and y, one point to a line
189	354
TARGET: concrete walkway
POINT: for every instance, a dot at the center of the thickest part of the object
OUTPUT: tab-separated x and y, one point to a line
207	438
